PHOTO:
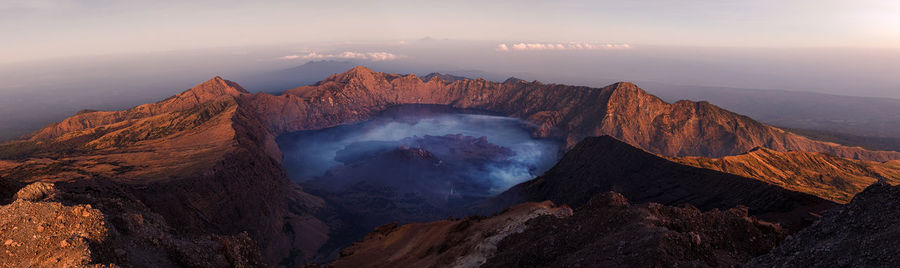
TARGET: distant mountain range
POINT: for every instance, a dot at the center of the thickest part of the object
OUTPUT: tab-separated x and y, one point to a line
858	116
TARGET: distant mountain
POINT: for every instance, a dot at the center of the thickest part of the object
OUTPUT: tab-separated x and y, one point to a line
859	116
512	80
307	74
868	142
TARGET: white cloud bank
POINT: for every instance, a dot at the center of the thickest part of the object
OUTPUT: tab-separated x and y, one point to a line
560	46
372	56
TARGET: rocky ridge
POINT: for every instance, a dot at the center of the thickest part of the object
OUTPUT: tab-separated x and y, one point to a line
571	113
827	176
199	159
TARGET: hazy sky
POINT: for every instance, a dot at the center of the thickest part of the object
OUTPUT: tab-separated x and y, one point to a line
47	29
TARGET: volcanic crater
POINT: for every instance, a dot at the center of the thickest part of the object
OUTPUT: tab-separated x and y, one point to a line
413	163
207	162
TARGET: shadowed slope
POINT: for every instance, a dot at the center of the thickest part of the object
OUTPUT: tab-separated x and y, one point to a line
600	164
606	232
863	233
446	243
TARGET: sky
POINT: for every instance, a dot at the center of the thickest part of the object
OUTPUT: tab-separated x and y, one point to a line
60	56
49	29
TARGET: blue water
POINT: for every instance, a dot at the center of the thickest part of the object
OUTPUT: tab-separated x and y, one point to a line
310	154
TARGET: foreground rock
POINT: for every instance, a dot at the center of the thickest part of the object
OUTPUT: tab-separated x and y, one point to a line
449	243
864	233
51	233
606	232
610	232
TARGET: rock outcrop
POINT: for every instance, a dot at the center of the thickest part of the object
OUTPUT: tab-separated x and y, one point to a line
61	231
608	231
448	243
864	233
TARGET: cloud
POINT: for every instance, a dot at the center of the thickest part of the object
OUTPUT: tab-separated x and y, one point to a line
372	56
560	46
9	5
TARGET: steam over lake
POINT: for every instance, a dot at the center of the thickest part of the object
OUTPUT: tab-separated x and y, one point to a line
478	153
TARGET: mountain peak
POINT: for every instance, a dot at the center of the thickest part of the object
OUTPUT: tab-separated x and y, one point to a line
357	72
625	85
621	92
449	78
217	86
360	69
513	80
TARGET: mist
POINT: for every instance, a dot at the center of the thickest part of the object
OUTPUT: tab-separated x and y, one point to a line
491	153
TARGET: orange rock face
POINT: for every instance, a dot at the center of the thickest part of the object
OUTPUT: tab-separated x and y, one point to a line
621	110
823	175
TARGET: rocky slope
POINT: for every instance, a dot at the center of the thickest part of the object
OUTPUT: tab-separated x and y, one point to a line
606	232
447	243
864	233
198	159
834	178
600	164
48	227
609	232
621	110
